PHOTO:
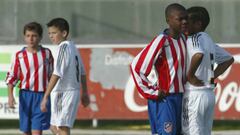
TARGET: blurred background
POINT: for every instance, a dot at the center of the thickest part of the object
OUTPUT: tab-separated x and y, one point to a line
113	21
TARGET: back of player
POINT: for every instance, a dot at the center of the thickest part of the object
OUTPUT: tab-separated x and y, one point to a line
68	76
199	98
69	68
202	54
201	43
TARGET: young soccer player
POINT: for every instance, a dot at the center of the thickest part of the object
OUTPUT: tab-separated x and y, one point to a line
32	66
203	53
68	76
166	55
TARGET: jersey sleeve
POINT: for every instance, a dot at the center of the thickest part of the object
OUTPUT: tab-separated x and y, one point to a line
14	73
51	63
82	69
142	65
61	60
197	43
221	55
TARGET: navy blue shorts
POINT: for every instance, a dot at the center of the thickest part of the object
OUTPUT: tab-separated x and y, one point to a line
31	116
165	116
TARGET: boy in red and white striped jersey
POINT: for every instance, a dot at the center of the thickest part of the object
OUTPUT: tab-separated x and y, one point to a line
32	66
166	55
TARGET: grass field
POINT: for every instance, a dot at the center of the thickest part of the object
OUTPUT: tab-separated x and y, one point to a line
125	124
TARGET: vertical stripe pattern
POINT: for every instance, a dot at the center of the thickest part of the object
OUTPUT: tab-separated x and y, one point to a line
31	69
167	56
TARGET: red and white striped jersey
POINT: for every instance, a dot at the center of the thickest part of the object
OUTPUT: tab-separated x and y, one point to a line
33	70
167	57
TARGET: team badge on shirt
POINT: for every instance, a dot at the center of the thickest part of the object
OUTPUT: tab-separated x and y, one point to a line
168	127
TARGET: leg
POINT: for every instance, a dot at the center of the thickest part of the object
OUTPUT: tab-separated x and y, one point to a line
152	115
25	98
164	120
63	130
209	114
169	115
54	129
36	132
39	120
27	133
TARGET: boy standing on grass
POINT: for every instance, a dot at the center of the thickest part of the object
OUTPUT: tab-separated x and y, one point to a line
32	66
202	54
68	76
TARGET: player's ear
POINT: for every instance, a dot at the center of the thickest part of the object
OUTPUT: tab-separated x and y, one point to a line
64	33
167	19
199	23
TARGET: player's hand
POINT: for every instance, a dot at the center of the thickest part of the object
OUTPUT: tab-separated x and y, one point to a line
161	95
11	101
195	81
85	99
43	106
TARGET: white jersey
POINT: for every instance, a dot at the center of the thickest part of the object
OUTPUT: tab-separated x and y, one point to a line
212	53
68	66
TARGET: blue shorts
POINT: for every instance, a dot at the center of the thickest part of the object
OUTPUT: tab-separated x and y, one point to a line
165	115
31	117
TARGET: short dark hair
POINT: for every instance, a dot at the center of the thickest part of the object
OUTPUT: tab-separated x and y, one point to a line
60	23
172	7
197	13
33	26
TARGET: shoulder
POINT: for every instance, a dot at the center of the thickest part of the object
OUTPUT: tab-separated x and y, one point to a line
64	45
199	37
161	38
20	51
203	36
45	49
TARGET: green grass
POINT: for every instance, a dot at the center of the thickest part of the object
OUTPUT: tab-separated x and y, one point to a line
5	58
125	124
226	125
3	75
144	124
114	124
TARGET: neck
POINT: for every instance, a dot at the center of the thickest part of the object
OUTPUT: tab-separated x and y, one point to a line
172	33
33	49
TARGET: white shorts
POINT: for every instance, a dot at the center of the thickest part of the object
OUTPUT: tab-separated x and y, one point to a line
198	112
64	106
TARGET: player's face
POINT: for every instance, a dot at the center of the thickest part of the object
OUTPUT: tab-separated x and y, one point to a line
32	38
56	36
193	27
177	21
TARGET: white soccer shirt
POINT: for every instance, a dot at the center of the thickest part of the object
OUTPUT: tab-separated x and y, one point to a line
32	69
212	53
167	56
68	66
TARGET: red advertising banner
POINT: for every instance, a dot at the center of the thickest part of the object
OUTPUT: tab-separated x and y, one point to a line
113	94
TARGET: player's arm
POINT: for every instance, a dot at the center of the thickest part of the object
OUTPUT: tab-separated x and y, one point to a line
198	40
142	65
195	62
221	68
223	59
12	79
60	65
85	97
11	99
54	79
